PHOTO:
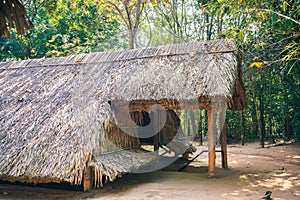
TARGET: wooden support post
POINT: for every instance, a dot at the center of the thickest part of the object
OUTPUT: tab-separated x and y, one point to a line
87	179
211	144
224	147
155	136
155	140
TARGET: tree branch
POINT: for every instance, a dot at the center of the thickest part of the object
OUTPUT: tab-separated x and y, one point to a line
281	15
120	12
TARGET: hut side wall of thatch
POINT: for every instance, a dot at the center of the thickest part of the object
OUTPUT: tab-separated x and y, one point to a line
120	138
238	100
51	124
41	132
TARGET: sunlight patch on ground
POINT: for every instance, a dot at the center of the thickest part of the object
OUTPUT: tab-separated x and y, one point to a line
233	163
281	181
296	157
243	177
278	182
281	175
238	194
251	156
245	190
247	176
293	158
296	193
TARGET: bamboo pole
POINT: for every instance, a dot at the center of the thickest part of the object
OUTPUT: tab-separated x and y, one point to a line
224	147
211	144
155	136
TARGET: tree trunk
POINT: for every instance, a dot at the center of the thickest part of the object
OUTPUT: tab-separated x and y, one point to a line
254	128
224	148
131	39
255	116
187	123
270	121
262	110
242	128
200	129
193	123
287	128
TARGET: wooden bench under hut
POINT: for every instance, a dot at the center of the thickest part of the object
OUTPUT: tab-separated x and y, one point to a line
67	119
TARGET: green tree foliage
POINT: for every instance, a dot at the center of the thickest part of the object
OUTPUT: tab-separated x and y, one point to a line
63	27
268	30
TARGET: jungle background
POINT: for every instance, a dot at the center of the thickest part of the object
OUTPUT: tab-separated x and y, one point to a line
267	32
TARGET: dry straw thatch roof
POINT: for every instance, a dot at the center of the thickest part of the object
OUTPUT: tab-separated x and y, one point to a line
55	112
176	75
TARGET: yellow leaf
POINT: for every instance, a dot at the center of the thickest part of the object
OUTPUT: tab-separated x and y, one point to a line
154	3
101	36
285	5
256	64
47	44
287	57
262	15
76	40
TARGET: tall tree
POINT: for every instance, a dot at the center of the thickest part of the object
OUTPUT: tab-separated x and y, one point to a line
13	15
130	12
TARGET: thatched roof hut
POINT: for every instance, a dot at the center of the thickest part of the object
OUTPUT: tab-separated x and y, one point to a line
56	113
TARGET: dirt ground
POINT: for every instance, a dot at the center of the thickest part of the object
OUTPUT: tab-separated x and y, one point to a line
253	171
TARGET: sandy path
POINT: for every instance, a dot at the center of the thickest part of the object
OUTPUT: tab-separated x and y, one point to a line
252	172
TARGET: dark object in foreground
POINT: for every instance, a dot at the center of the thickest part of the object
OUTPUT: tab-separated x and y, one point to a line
267	195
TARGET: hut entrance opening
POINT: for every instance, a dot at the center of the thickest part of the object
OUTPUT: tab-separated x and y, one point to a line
164	130
155	129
